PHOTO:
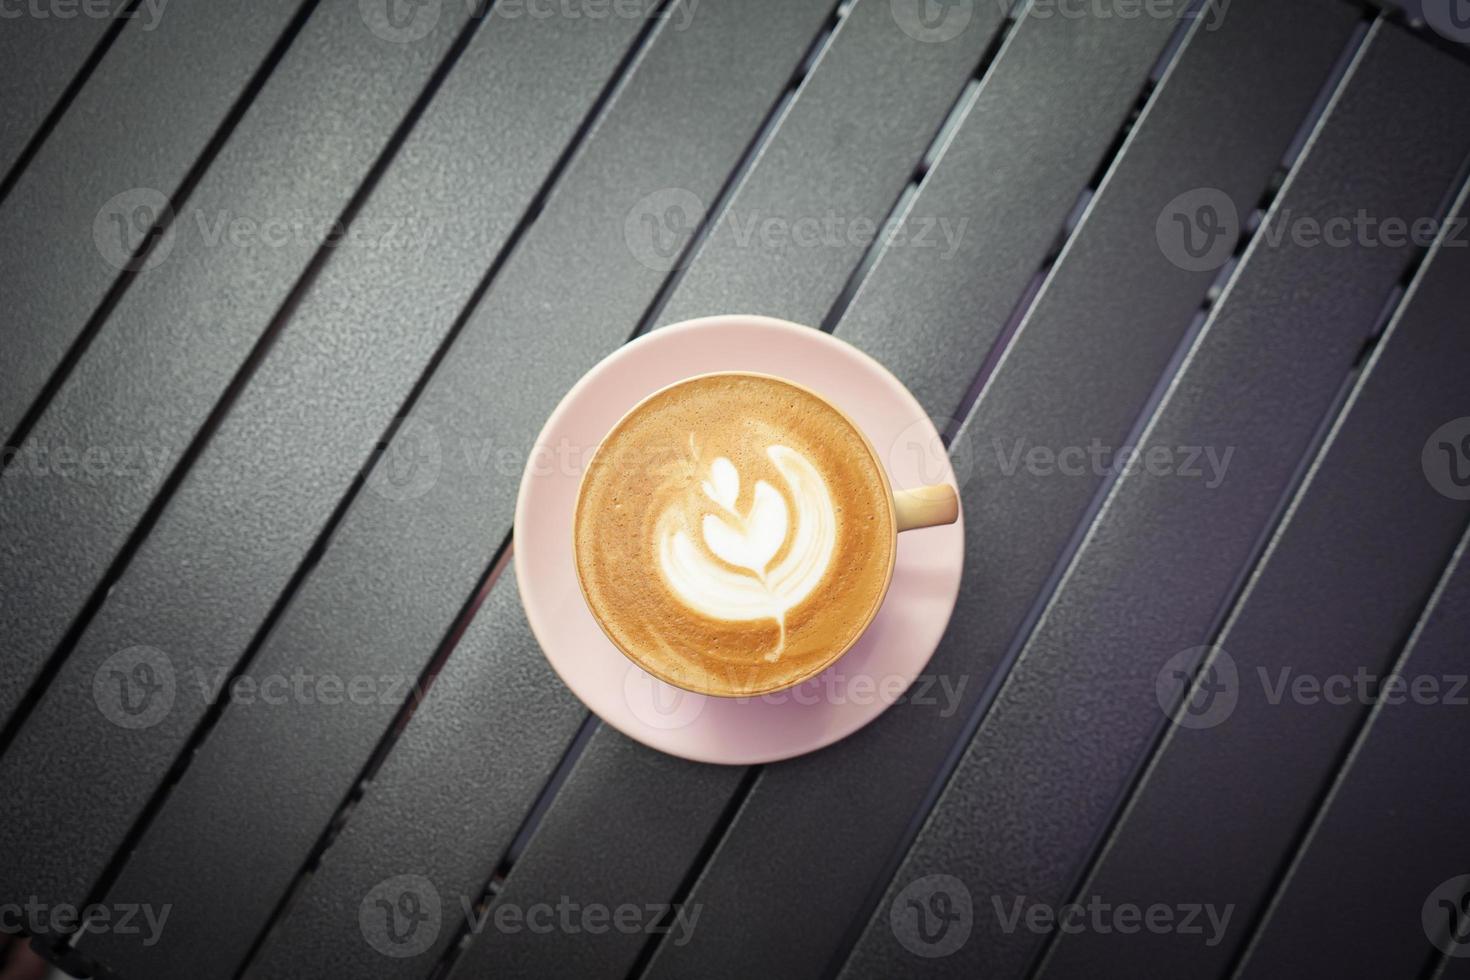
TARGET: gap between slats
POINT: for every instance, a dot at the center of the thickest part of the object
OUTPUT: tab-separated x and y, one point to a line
68	95
1432	965
1079	210
1398	12
380	753
465	935
1440	964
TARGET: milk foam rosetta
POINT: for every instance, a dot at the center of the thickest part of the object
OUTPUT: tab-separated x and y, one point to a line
733	533
753	588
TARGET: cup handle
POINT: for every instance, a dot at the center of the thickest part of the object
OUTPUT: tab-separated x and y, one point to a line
926	506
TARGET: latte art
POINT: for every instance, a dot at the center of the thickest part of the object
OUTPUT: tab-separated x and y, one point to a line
732	577
733	534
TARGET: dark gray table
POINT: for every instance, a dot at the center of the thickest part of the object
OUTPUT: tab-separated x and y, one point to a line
288	287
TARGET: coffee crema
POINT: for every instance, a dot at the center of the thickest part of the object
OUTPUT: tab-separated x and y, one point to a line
733	534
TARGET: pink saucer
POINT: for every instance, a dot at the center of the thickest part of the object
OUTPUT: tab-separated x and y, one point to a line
818	712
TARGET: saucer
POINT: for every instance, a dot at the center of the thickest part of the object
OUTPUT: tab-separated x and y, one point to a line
736	731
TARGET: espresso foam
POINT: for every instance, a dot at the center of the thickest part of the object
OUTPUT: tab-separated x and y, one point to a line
733	533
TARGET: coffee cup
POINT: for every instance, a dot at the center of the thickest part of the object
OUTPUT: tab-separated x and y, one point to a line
735	533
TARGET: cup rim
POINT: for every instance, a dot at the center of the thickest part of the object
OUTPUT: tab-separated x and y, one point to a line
872	613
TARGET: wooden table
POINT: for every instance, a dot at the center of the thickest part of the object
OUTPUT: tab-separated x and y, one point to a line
289	286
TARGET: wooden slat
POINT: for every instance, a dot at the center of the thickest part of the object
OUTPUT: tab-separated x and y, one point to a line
365	611
1455	966
806	212
168	351
140	122
1222	806
245	516
1042	121
1077	713
1063	382
627	786
863	178
43	55
445	805
1392	833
